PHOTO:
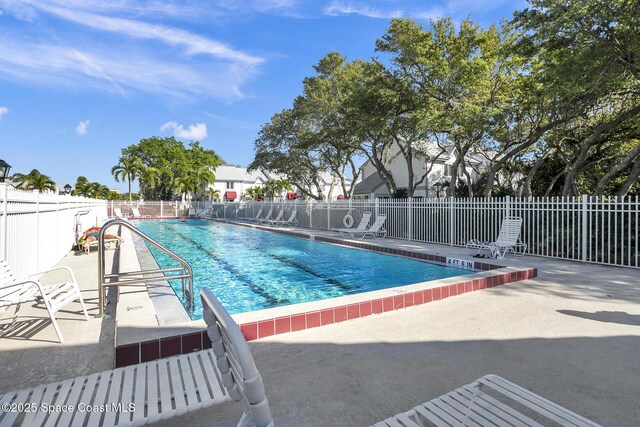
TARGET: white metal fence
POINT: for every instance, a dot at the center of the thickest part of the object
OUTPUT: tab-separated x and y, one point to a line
591	229
37	230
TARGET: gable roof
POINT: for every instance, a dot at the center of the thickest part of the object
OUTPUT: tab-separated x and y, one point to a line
368	184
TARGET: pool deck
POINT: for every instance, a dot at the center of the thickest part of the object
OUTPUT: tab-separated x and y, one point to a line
572	335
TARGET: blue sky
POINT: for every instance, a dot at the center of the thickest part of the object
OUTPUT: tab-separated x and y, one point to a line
80	79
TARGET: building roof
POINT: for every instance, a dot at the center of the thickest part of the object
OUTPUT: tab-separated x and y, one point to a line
369	184
236	173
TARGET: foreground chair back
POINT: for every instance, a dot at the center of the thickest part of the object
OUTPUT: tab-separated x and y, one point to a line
55	296
159	389
488	401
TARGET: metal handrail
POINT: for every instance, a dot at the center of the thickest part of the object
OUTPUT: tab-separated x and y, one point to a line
186	273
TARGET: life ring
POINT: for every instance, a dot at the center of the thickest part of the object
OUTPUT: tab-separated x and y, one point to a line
347	221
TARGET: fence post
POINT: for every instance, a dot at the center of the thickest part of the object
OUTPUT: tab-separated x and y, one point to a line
328	215
38	231
5	214
410	218
507	205
161	203
584	228
451	221
376	205
310	208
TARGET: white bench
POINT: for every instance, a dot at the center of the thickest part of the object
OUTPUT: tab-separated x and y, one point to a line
488	401
159	389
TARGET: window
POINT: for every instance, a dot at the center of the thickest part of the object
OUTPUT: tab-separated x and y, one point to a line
229	185
448	170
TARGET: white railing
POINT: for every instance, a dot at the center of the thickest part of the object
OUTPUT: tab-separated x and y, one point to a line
602	230
37	230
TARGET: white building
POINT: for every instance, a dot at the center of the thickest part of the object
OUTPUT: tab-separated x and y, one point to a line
372	186
233	181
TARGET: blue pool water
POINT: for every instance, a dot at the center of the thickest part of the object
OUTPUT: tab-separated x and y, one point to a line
251	270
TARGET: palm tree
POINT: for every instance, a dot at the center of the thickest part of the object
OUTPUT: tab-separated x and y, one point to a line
128	168
83	187
205	176
213	194
149	178
253	193
34	180
274	187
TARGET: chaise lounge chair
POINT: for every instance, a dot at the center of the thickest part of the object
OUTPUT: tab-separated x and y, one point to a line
362	226
292	221
266	218
488	401
376	230
252	218
508	240
136	214
160	389
118	213
55	297
275	221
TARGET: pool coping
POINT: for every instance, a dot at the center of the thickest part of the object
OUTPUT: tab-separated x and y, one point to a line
279	320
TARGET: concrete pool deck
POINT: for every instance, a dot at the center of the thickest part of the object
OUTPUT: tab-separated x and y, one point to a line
571	335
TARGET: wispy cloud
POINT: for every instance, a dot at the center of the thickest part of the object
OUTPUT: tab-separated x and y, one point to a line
340	8
83	127
197	131
3	111
129	54
192	43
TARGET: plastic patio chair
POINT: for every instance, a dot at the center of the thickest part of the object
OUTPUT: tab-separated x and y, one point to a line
376	230
488	401
55	297
508	240
362	226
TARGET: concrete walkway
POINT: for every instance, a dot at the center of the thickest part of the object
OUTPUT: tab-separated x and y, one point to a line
30	353
571	335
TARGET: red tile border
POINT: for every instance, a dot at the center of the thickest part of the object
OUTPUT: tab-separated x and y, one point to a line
326	317
340	314
150	350
266	328
250	331
313	319
283	325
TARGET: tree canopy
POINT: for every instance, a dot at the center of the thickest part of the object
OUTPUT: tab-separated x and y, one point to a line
165	167
551	100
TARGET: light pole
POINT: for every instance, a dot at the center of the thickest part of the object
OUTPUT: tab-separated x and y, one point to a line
4	170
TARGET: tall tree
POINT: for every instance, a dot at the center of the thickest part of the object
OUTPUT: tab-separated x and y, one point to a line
129	167
34	180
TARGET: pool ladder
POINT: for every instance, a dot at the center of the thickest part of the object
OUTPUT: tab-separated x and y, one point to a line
184	272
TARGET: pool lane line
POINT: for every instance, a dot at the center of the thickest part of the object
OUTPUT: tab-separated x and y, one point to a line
302	267
259	290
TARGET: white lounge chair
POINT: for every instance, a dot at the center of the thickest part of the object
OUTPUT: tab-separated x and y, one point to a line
159	389
292	221
376	230
108	244
192	212
136	213
364	222
275	221
508	240
266	218
252	218
118	213
55	297
488	401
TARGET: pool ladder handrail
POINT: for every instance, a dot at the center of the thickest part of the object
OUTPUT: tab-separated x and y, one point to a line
185	271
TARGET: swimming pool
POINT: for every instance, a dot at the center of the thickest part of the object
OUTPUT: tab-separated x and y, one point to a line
250	269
